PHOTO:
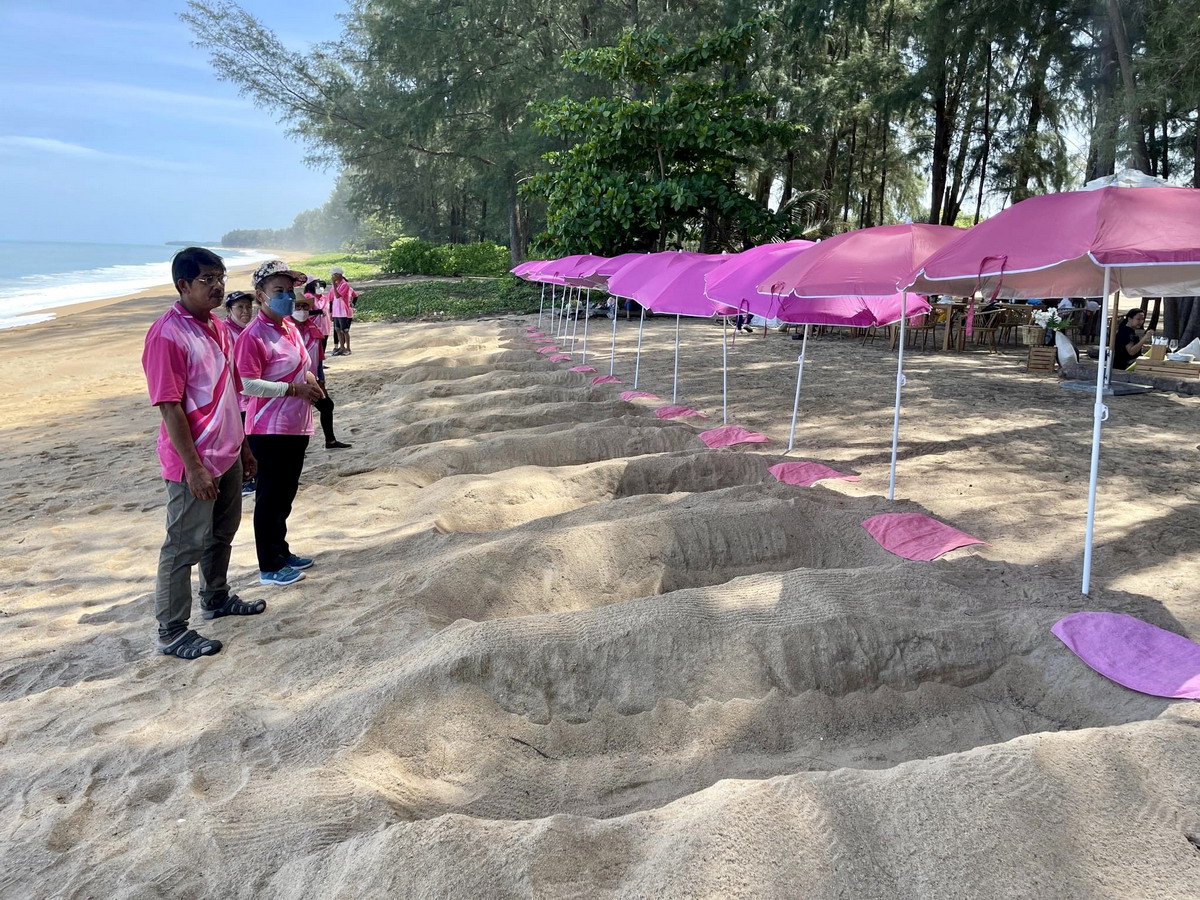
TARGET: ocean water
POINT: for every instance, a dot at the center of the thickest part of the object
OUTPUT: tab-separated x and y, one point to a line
40	275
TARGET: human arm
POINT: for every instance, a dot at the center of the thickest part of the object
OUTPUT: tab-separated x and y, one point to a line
249	462
258	387
199	480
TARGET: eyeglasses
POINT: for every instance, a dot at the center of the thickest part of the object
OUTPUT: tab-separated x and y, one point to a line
210	280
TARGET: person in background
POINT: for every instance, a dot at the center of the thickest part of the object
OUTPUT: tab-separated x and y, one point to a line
341	299
274	367
1129	346
307	326
189	364
314	291
240	308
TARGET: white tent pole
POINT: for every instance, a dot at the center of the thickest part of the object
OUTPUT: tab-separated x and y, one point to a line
541	304
553	317
900	382
637	364
675	383
586	316
799	378
612	353
575	326
725	371
1099	414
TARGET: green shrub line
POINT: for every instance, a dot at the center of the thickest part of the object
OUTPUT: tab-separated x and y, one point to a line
447	299
358	266
410	256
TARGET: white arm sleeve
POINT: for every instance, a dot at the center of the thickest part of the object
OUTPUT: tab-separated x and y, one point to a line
256	387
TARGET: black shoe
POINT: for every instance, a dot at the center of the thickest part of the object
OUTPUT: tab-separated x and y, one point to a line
336	445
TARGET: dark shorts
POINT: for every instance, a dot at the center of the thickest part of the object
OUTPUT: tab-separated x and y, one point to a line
341	324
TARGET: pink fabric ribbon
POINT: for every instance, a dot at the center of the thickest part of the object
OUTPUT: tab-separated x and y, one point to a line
728	435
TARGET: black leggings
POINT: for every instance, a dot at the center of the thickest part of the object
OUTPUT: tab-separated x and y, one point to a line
280	462
325	408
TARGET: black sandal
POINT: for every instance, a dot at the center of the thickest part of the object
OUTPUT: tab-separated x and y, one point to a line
191	645
234	606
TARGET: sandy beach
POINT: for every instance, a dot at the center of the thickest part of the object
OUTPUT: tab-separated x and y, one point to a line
553	646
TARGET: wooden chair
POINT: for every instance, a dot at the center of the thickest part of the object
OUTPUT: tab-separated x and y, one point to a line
986	328
923	326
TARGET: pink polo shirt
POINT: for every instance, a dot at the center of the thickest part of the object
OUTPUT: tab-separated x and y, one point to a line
274	353
311	335
339	297
320	301
190	362
235	330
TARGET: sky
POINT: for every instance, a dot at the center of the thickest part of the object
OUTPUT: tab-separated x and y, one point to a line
114	129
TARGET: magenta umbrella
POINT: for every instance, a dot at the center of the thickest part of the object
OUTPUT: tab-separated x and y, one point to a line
1144	241
578	273
856	277
670	282
523	271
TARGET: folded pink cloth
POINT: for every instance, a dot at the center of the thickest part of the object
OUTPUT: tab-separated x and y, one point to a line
806	474
607	379
559	357
550	349
676	412
728	435
546	340
1134	653
583	369
916	536
537	334
638	395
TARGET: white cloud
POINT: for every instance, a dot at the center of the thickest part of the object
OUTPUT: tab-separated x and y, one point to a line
22	145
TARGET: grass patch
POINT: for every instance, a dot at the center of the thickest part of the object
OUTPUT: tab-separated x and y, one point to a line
448	299
358	266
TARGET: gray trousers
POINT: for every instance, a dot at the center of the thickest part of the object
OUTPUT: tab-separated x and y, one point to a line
198	531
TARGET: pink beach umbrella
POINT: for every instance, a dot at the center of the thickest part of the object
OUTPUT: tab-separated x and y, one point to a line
1143	241
603	271
522	271
578	272
668	283
855	278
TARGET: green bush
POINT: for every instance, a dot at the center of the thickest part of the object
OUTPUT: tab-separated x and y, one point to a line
410	256
449	299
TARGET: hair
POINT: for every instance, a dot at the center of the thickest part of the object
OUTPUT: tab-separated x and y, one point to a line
1133	312
188	262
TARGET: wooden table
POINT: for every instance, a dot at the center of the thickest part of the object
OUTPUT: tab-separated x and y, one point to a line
1167	369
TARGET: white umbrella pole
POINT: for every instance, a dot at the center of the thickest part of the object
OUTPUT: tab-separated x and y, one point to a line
612	353
575	326
541	304
675	383
586	316
553	317
1099	414
725	372
900	382
799	378
637	364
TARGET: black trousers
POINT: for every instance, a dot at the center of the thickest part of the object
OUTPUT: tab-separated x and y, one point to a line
325	409
280	462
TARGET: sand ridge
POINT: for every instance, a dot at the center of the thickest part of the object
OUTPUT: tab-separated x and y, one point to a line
556	647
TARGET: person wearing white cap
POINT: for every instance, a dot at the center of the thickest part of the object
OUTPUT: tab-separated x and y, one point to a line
340	301
276	374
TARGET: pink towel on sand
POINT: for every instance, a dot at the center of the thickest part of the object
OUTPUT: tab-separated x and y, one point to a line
607	379
728	435
583	368
677	412
639	395
551	349
916	536
806	474
1134	653
559	357
537	334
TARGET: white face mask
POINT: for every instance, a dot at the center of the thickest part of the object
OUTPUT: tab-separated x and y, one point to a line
300	315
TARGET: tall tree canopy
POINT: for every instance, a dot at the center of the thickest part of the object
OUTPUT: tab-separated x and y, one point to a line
860	112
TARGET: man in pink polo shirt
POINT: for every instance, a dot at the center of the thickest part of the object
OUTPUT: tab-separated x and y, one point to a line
275	369
188	359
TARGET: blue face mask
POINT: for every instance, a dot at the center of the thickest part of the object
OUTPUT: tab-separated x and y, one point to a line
283	304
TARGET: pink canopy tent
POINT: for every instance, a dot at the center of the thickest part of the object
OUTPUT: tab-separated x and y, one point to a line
856	278
1144	241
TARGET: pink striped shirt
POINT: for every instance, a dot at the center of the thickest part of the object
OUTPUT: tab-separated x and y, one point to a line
190	362
339	298
274	353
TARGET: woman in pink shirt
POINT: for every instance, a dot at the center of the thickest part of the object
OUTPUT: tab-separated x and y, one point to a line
314	343
341	299
274	366
314	292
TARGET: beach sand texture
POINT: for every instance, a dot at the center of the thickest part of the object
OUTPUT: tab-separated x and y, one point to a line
555	647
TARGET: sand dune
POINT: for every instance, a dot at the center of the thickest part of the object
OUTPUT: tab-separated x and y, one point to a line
555	647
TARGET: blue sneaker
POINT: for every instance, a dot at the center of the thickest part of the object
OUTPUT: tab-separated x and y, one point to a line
299	562
248	488
286	575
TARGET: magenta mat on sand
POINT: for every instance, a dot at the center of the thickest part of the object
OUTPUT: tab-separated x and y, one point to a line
607	379
806	474
639	395
559	357
583	368
549	349
916	536
1134	653
728	435
677	412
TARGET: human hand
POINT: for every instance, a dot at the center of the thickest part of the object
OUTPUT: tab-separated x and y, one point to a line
201	483
249	463
310	391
